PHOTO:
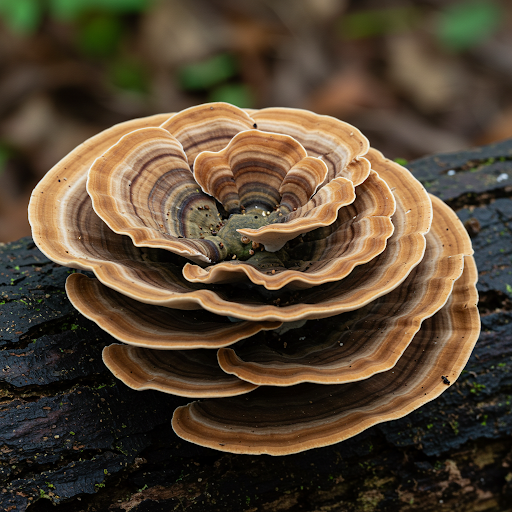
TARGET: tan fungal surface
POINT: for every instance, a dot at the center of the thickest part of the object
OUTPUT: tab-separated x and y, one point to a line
404	250
60	199
155	327
285	420
321	210
356	235
208	127
251	169
336	142
190	373
143	187
235	249
147	276
370	339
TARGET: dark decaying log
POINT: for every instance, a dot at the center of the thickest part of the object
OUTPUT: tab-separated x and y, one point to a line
73	438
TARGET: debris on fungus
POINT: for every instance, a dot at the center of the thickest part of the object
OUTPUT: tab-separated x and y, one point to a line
267	262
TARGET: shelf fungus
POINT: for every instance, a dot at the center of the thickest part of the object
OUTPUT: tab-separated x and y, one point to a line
267	263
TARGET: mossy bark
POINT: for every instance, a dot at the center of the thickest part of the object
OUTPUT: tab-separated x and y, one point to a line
73	438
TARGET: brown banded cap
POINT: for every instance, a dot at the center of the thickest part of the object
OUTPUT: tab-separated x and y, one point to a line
268	262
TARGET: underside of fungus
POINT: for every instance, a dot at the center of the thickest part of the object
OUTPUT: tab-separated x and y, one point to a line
266	262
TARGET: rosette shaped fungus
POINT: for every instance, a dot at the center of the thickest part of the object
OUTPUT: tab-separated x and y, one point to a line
268	262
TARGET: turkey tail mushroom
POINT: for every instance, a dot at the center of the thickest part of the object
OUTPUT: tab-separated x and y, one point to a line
285	420
268	262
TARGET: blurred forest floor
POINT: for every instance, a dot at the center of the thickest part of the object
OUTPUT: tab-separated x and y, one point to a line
417	77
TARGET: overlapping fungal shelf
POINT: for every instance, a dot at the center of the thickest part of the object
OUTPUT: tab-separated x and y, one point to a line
295	283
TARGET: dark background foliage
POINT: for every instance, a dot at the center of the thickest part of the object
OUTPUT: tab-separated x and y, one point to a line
417	77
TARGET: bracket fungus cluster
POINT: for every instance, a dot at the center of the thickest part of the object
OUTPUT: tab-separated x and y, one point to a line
267	263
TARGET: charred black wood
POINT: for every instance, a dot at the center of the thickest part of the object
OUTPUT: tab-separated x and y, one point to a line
73	438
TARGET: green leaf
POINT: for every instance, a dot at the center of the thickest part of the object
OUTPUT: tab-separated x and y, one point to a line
377	22
64	10
70	10
208	73
465	25
120	6
236	94
129	75
21	16
100	36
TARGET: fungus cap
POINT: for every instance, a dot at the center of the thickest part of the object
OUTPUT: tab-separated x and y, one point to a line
234	249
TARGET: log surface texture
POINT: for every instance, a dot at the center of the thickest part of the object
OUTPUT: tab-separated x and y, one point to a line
73	438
